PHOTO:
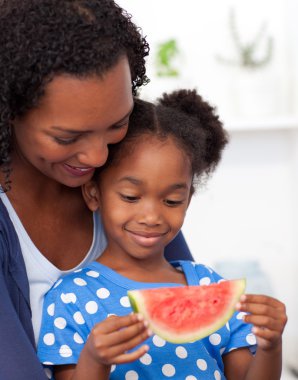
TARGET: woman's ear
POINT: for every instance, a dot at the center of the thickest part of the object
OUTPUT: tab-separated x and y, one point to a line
91	196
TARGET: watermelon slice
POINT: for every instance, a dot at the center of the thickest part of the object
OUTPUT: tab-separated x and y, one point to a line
187	313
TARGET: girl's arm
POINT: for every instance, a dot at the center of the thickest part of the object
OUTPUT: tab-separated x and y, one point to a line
107	344
269	318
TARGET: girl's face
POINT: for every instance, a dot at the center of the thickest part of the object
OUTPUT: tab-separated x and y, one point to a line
143	198
66	137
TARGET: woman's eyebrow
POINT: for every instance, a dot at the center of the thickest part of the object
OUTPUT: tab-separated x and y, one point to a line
76	132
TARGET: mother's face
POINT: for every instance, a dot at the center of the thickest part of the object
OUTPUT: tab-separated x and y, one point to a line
67	136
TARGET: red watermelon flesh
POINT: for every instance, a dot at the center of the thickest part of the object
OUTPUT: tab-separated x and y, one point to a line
187	313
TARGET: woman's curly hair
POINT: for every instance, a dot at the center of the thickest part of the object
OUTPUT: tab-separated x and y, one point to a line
184	116
42	38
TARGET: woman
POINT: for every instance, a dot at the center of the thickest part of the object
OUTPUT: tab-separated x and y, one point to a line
69	70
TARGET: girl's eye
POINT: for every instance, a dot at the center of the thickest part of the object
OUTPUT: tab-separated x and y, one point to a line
172	203
129	198
65	141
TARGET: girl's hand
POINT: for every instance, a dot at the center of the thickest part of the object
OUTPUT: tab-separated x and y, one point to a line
268	316
110	340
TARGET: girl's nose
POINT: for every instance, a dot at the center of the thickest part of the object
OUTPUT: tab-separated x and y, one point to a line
151	215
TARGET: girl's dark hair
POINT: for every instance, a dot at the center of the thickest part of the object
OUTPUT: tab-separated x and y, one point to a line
184	116
42	38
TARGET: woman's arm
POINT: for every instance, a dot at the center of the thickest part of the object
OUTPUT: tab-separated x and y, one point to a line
18	360
178	249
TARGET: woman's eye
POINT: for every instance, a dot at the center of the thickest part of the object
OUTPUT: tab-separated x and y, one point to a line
65	141
129	198
121	125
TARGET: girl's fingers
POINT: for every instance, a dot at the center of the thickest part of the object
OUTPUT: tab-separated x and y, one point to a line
131	356
119	349
261	299
264	321
114	323
122	335
263	305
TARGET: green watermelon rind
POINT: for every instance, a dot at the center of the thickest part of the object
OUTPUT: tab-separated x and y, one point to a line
138	306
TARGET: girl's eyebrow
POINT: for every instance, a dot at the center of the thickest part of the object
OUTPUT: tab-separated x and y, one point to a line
136	181
76	132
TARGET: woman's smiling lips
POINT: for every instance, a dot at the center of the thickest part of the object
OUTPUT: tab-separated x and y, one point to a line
146	239
78	171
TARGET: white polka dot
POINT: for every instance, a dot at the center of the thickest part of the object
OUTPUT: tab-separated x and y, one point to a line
49	339
146	359
131	375
92	273
79	318
125	301
181	352
91	307
222	350
205	281
251	339
240	315
168	370
191	377
51	309
79	281
77	338
102	293
215	339
48	373
158	341
47	363
60	323
228	326
65	351
221	280
202	364
113	367
57	283
68	297
217	375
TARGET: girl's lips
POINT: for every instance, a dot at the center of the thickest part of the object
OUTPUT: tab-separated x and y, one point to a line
146	239
77	171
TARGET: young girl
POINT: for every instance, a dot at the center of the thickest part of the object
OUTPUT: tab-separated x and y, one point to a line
143	193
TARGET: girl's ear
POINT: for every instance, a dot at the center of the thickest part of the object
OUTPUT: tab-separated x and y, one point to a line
91	196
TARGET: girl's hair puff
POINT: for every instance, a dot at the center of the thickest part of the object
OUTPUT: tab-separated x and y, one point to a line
184	116
42	38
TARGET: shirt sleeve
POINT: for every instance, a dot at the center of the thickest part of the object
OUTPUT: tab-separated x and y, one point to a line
64	330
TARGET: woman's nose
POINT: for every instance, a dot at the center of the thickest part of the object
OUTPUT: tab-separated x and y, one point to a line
95	154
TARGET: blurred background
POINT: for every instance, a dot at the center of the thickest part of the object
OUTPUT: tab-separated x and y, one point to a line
242	56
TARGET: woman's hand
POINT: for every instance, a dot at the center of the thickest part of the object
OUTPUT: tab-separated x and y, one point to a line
268	316
110	340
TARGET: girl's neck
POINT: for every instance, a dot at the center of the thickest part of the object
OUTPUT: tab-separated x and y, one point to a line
155	269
